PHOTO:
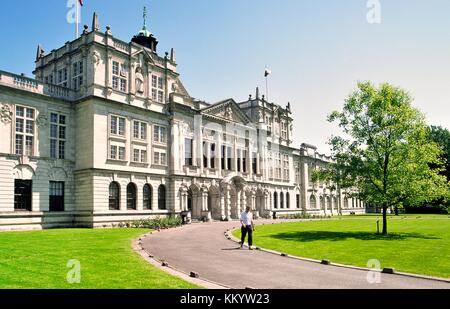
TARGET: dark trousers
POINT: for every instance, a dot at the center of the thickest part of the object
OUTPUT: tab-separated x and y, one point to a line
244	230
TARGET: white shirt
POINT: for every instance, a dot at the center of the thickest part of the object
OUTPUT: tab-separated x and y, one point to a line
247	218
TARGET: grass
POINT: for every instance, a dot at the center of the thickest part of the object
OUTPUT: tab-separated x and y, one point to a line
39	259
417	243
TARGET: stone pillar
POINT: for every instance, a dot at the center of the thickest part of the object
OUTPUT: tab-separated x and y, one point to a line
228	203
239	193
222	206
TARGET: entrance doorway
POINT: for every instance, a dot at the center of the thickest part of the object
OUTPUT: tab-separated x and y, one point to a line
22	195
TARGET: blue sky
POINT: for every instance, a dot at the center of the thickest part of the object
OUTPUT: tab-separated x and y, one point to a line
317	49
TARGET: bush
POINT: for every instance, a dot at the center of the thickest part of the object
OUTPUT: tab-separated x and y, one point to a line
157	223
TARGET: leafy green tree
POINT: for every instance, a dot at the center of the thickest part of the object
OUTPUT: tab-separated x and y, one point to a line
441	136
384	151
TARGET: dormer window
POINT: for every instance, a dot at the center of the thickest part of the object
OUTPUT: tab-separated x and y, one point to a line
157	89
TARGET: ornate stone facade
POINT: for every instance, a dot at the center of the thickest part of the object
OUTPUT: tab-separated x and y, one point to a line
106	132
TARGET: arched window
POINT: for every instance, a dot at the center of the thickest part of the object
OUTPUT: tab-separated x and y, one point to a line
312	202
275	200
147	193
329	203
131	196
288	200
114	196
162	197
322	203
298	200
346	203
281	200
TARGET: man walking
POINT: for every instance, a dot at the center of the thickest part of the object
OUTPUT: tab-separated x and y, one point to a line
247	227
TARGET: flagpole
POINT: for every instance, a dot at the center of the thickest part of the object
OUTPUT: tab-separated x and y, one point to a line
78	19
267	88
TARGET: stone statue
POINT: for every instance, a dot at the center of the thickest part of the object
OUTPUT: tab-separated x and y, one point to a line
229	112
139	81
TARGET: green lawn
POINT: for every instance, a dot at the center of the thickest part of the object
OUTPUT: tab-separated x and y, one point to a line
416	244
39	259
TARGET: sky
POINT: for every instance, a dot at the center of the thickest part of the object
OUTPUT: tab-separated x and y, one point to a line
317	50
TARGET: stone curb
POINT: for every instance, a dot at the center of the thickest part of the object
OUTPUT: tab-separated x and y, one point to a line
137	247
229	235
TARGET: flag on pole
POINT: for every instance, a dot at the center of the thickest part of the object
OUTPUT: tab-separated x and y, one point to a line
267	72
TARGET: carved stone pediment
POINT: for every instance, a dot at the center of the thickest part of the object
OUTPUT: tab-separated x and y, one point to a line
227	110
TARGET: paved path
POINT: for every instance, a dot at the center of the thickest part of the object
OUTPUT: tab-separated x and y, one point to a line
204	249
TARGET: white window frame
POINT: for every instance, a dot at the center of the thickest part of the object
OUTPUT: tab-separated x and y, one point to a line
77	73
119	75
58	138
24	134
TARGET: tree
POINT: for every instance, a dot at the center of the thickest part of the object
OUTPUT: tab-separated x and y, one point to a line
385	152
441	136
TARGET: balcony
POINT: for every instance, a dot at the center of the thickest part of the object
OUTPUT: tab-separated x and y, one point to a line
31	85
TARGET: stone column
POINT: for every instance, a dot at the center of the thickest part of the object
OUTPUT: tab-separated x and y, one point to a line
222	205
238	203
228	203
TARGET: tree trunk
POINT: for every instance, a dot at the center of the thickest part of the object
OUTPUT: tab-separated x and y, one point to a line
385	220
396	210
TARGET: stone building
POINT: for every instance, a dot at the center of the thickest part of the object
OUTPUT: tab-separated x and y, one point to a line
106	132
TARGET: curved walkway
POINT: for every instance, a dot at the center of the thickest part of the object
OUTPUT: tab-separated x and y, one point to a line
204	249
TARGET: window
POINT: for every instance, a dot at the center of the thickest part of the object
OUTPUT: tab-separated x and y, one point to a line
157	89
24	139
205	154
285	167
222	160
229	157
159	134
275	200
288	200
188	152
160	97
284	130
57	136
162	197
312	202
114	196
281	200
213	156
278	166
77	73
122	153
298	200
56	192
269	124
147	195
119	76
117	126
159	158
254	163
239	160
244	161
131	196
139	155
117	153
22	195
270	164
140	130
62	77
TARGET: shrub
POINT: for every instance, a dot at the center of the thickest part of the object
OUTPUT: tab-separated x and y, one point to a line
157	223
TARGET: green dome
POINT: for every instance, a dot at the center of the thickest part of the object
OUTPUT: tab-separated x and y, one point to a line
144	32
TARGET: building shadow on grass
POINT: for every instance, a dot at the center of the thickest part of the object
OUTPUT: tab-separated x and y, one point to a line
340	236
